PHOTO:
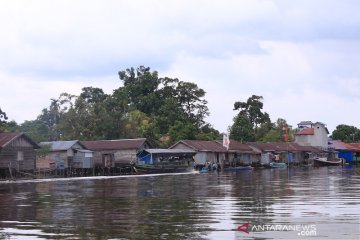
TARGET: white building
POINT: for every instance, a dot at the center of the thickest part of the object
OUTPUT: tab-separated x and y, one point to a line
312	134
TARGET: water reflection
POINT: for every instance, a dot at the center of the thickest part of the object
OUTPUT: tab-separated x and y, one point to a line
183	206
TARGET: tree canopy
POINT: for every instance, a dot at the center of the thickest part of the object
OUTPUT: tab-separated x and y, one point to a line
251	123
346	133
144	106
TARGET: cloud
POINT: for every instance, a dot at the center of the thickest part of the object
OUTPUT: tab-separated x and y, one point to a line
296	54
25	96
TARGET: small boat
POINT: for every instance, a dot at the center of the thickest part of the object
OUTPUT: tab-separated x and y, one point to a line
154	169
204	170
277	165
323	161
238	168
153	161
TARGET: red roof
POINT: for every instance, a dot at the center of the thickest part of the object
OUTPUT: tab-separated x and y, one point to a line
8	137
306	131
121	144
355	146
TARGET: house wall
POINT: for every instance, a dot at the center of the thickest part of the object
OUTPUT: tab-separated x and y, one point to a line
243	158
304	140
125	156
347	155
320	136
119	157
60	158
318	139
19	154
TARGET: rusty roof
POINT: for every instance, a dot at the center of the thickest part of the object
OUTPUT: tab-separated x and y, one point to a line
309	149
339	145
207	146
120	144
266	147
306	131
8	137
238	146
356	146
283	147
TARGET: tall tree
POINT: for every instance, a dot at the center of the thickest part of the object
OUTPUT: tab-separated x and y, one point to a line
253	118
242	129
141	84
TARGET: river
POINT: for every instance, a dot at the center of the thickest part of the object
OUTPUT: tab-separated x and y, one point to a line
294	203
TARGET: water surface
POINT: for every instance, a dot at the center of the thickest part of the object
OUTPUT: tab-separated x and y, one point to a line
316	203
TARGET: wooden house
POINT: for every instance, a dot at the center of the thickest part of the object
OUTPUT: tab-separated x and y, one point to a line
288	152
207	152
63	155
116	153
240	154
17	151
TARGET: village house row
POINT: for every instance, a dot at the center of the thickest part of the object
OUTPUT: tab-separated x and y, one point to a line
18	151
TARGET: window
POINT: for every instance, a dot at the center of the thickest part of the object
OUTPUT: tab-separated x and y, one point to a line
20	156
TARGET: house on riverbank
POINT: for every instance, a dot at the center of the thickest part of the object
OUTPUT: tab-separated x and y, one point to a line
290	153
116	153
241	154
349	152
207	152
63	155
17	153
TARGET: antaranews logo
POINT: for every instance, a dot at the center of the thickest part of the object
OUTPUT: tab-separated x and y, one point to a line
300	229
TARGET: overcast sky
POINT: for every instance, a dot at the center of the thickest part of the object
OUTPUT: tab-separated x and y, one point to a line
302	56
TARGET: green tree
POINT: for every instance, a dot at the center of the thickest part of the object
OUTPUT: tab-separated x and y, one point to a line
182	130
36	129
242	129
278	131
3	119
208	133
252	109
141	84
346	133
256	123
164	100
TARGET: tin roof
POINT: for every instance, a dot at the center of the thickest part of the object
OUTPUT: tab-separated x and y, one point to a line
161	150
8	137
306	123
208	146
356	146
339	145
238	146
266	147
120	144
60	145
282	147
306	131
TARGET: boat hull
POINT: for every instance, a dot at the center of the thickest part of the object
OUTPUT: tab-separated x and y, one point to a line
237	169
275	165
322	162
148	169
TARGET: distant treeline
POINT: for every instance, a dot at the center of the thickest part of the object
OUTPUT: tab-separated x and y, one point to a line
163	110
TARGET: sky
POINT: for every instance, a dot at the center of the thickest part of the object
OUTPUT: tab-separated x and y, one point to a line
301	56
